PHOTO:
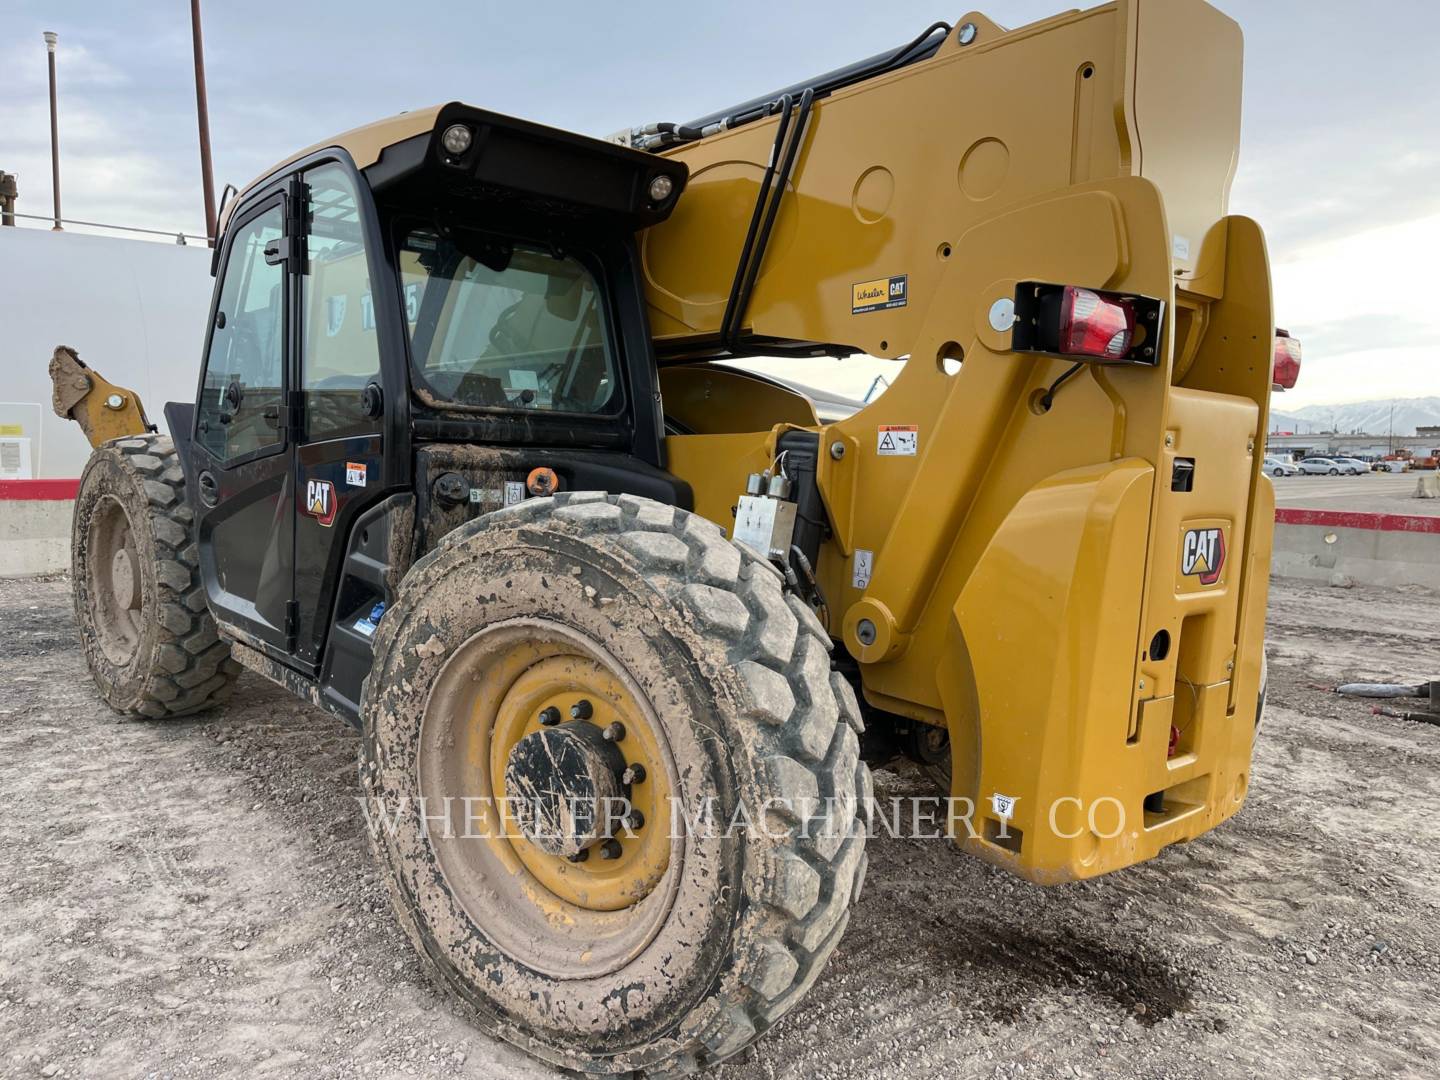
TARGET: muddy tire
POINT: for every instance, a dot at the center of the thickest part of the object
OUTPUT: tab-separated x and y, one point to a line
728	684
147	634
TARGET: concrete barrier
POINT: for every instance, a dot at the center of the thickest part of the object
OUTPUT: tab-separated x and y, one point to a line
1345	547
35	526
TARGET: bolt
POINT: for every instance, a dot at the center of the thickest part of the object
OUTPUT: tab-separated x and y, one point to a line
634	774
634	821
550	717
579	856
967	33
837	450
610	849
582	710
614	731
865	632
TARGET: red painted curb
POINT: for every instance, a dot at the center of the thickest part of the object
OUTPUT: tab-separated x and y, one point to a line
1354	519
39	490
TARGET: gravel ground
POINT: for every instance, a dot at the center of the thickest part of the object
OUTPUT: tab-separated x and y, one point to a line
196	899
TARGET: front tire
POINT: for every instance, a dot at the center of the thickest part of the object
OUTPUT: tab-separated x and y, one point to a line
682	945
148	637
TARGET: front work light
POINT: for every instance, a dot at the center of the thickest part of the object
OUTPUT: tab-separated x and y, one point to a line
1088	324
456	139
660	188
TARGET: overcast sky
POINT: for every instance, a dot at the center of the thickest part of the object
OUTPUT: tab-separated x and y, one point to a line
1339	159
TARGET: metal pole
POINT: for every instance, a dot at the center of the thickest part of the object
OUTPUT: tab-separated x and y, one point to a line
50	40
9	190
202	112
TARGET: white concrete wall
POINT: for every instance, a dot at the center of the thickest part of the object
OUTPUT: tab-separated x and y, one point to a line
135	309
34	536
1360	556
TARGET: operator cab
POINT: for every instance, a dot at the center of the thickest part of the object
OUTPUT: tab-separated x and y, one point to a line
408	323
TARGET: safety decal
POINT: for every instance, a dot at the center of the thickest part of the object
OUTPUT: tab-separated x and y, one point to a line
897	440
514	492
321	501
355	473
864	566
1004	805
880	294
1202	554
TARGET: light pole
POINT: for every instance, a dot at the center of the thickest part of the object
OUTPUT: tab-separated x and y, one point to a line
202	112
50	40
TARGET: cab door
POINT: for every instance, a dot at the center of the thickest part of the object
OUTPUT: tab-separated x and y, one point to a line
241	445
343	401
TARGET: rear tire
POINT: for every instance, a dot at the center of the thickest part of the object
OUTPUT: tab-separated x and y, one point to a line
148	637
731	680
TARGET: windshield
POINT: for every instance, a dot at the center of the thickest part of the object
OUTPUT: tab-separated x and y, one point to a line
501	325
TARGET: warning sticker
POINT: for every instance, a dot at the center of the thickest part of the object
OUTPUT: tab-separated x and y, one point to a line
355	473
864	565
897	440
514	492
880	294
1004	805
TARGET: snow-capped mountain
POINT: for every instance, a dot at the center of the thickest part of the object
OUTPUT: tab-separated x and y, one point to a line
1368	417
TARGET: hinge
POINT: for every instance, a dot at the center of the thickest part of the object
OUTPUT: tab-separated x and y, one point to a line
297	221
295	413
292	624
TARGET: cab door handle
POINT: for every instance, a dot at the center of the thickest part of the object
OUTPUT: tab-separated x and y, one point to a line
209	488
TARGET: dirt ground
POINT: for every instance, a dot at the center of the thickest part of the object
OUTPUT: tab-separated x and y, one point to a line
196	899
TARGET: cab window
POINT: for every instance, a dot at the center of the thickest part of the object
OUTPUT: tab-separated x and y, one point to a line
239	408
340	352
495	324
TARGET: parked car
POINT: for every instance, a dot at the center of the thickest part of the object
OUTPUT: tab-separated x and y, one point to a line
1319	466
1352	466
1280	467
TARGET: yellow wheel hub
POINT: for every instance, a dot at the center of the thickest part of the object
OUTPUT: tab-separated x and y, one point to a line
612	873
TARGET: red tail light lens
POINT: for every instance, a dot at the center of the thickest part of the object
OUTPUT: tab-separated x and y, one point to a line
1287	361
1091	325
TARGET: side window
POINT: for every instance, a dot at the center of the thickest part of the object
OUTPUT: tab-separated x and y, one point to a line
239	409
341	352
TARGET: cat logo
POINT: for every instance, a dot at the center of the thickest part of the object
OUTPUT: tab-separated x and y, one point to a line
1202	554
320	501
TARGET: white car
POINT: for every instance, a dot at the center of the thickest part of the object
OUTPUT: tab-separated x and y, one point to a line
1320	466
1352	466
1276	467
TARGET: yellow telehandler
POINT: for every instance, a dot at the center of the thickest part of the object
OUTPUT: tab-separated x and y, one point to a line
621	625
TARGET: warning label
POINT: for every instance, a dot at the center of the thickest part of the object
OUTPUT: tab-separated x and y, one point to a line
897	440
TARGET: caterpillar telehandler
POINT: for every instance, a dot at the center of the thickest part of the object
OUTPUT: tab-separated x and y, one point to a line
624	623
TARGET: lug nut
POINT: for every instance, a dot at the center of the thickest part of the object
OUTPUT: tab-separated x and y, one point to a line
550	717
579	856
614	731
634	821
610	849
633	774
582	710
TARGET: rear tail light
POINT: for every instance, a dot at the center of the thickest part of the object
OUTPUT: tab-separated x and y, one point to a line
1087	324
1090	326
1287	361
